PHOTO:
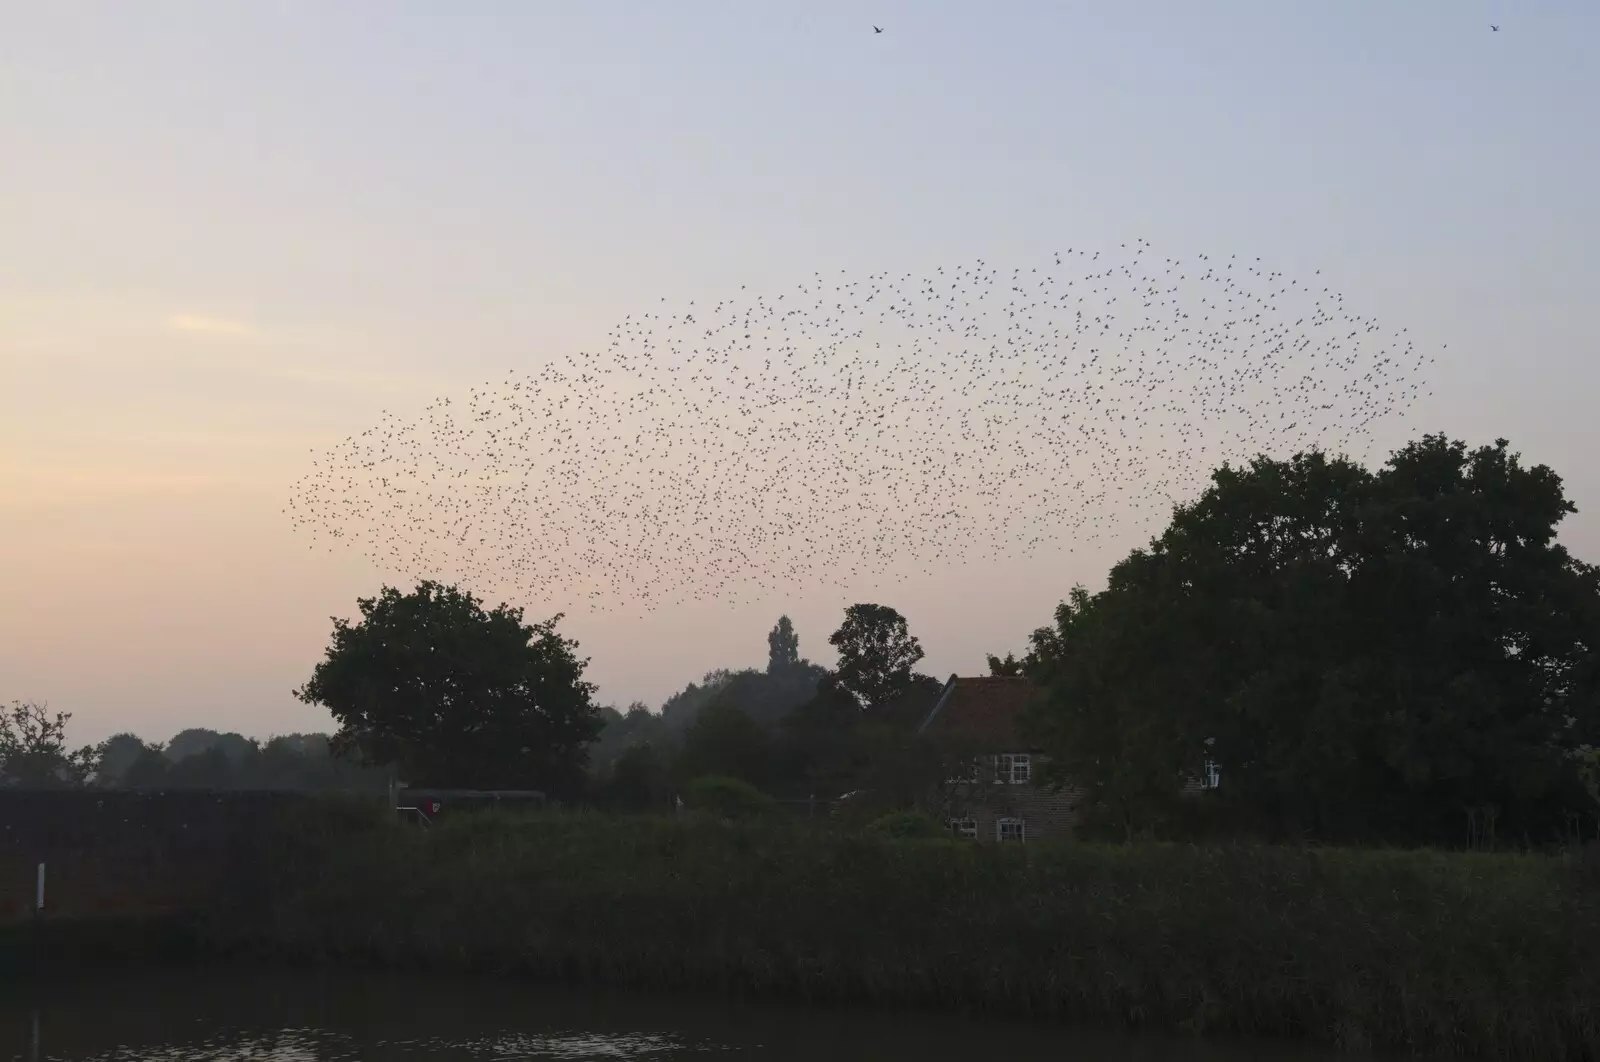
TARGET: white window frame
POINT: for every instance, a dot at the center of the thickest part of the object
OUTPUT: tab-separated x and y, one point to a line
1013	768
964	829
1000	825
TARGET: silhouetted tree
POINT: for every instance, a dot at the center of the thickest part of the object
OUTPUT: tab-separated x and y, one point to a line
191	742
783	648
211	769
1007	668
295	762
621	731
876	654
149	770
117	754
680	709
897	767
638	781
767	698
1362	655
457	696
724	740
34	751
819	751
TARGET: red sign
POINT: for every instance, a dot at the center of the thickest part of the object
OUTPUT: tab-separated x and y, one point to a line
429	809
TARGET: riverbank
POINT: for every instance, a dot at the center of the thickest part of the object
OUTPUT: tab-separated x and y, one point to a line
1496	955
274	1013
69	945
1472	953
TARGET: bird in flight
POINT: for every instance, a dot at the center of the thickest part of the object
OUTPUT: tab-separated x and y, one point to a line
877	29
1493	28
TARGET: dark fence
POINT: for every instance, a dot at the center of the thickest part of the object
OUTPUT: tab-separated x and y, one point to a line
432	802
136	853
119	852
809	807
39	821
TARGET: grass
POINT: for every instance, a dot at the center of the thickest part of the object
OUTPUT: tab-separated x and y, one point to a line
1469	953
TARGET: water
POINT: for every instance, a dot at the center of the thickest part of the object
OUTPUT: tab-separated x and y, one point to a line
210	1016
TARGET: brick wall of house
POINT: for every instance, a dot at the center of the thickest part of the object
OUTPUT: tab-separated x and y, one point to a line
1050	815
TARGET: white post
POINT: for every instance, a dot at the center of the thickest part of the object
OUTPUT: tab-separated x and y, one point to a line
38	890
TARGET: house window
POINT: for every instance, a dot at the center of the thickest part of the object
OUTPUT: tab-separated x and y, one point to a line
966	829
1013	768
1011	830
1213	775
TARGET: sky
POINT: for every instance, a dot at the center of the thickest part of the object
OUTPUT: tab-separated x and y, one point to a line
232	234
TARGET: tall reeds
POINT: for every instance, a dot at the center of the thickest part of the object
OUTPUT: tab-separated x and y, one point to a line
1466	952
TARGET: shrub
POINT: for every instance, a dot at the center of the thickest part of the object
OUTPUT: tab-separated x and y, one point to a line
728	798
859	808
908	825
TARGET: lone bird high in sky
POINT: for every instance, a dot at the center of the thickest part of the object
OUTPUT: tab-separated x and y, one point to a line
857	428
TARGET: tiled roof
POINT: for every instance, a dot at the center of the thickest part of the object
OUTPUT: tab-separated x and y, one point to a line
984	710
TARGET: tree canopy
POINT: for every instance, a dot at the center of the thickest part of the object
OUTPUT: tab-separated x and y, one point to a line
199	740
638	780
783	647
1364	654
856	731
231	762
118	753
793	728
456	695
34	751
724	740
876	654
1010	667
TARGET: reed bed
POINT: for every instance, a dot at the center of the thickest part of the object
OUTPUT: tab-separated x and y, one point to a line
1494	955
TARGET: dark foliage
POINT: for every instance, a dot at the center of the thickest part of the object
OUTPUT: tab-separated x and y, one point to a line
1406	655
457	696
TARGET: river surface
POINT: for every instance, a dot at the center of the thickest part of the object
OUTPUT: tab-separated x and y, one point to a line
240	1016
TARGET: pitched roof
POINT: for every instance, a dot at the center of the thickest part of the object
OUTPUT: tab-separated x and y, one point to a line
984	710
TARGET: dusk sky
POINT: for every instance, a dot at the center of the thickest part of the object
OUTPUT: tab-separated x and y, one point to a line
232	234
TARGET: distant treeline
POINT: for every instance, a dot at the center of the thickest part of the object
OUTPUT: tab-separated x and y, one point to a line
205	759
794	730
194	759
1402	655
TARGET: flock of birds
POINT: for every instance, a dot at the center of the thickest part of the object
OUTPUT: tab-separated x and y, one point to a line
1493	28
859	429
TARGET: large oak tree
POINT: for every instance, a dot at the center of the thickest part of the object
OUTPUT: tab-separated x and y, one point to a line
34	752
877	653
1384	655
455	695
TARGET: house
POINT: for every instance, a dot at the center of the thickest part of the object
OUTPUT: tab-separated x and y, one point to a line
997	796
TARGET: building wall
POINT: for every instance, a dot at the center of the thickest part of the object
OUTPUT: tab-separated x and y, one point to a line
1049	815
